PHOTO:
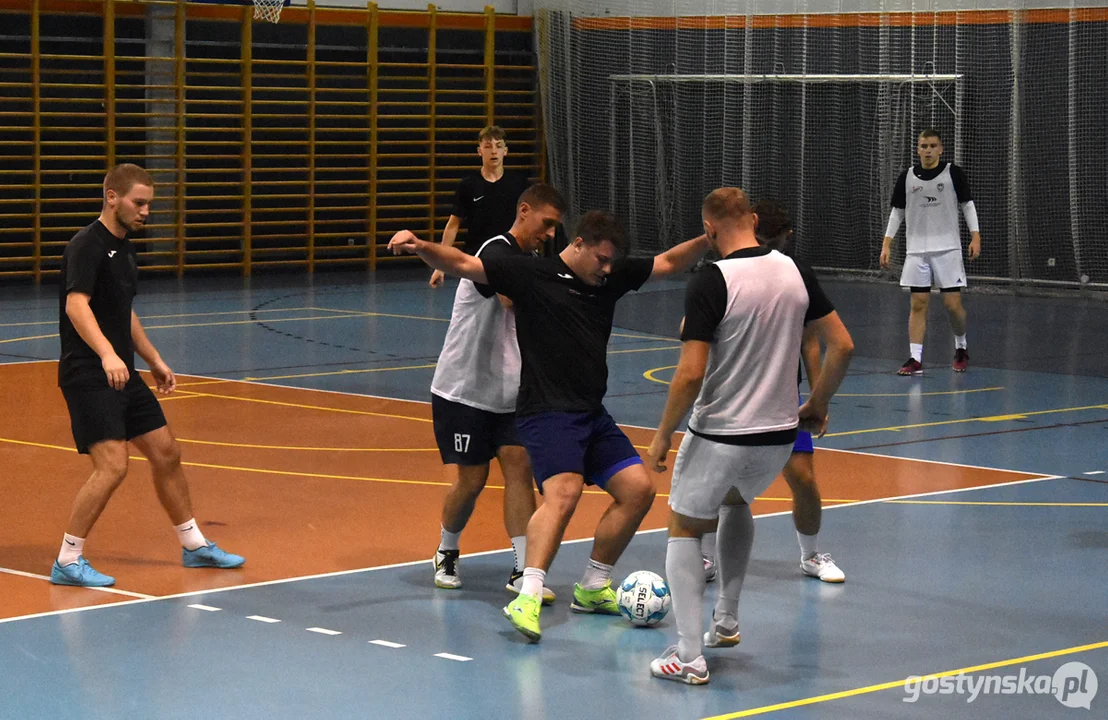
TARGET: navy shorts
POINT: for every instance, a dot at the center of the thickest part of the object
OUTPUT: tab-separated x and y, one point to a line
589	444
803	440
470	436
101	413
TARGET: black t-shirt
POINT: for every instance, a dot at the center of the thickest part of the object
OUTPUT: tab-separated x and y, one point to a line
706	299
487	209
498	249
957	175
563	326
99	264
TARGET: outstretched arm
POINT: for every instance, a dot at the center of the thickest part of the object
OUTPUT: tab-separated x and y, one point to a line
684	388
840	348
447	259
680	258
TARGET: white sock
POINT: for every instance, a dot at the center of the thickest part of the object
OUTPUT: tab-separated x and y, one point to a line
72	547
519	550
449	540
708	546
597	575
808	544
917	351
190	536
959	342
533	580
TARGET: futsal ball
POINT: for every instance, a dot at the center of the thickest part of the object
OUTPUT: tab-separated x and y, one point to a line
644	598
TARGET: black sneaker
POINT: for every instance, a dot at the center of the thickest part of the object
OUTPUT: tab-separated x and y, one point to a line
911	367
515	584
961	360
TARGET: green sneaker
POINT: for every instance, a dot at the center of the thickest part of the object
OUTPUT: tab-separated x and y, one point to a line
523	613
602	601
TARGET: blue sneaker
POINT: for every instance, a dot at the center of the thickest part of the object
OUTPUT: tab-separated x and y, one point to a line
210	555
79	574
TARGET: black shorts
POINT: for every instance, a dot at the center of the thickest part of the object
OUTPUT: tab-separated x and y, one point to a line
468	436
101	413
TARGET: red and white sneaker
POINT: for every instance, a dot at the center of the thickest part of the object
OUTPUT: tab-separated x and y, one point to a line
961	360
911	367
670	667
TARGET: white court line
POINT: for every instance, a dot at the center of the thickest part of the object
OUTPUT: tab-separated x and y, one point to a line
1094	472
205	608
262	618
110	590
448	656
386	643
414	563
324	631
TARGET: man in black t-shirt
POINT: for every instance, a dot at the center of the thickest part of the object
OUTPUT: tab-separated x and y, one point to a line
485	202
744	321
109	404
564	309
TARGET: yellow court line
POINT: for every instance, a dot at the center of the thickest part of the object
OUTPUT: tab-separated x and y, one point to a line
639	350
301	447
900	683
30	337
307	407
986	502
177	315
338	372
366	313
324	476
203	382
991	418
649	375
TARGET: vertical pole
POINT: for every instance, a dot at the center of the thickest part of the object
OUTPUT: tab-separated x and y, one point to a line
109	80
247	151
36	162
490	64
371	60
179	88
432	51
311	134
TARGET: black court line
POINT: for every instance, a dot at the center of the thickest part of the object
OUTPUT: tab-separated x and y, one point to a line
1087	479
981	434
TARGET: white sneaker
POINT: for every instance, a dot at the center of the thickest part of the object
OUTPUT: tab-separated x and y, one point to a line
515	584
670	667
823	567
709	570
446	569
721	637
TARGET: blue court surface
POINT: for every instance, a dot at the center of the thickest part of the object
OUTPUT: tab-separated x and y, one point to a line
990	581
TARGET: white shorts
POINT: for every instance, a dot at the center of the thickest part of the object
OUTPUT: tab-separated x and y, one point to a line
705	471
945	268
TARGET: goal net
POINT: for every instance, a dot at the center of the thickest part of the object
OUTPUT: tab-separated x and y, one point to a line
649	105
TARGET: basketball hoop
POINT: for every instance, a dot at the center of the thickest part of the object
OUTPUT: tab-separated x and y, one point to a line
268	10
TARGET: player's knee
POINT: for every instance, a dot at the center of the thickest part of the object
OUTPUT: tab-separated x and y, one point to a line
920	302
562	496
112	466
167	456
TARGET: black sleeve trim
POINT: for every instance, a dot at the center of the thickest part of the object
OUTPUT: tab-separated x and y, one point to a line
819	305
961	184
705	305
900	196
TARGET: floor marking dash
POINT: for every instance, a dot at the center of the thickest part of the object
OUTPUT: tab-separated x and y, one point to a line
262	618
386	643
205	608
324	631
457	658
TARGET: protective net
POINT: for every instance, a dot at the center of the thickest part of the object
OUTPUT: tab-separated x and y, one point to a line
647	106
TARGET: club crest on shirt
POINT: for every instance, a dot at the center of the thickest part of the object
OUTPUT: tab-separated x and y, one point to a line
941	186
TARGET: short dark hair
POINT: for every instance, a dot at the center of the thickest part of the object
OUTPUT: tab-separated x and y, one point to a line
491	132
931	132
125	176
773	220
543	195
596	226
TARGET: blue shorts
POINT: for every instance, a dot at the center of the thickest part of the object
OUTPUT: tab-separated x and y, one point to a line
803	440
589	444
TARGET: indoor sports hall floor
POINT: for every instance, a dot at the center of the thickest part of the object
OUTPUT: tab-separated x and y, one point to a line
969	512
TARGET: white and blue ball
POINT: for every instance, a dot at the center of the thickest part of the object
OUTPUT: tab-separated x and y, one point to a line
644	598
